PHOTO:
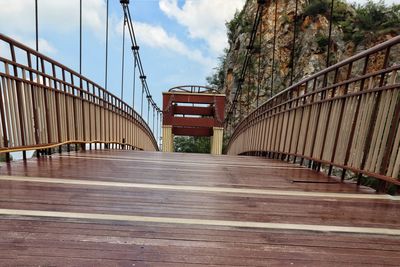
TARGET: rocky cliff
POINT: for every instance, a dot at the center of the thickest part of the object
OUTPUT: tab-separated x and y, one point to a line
284	35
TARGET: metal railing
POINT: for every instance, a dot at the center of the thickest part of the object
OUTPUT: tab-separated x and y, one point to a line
345	116
44	104
194	89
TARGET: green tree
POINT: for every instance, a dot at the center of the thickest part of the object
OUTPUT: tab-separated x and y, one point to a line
190	144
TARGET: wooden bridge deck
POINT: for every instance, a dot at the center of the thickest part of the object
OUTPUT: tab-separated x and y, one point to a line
130	208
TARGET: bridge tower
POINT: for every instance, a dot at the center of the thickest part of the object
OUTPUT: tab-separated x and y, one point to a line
193	111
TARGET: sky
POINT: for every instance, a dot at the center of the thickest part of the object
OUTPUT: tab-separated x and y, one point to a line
180	40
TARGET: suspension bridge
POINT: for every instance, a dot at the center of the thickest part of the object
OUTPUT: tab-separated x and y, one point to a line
98	191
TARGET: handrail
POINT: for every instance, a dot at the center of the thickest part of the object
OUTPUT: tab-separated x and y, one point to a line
346	115
44	104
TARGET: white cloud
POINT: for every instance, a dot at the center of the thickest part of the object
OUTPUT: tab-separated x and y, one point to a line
156	37
387	2
54	15
204	19
45	47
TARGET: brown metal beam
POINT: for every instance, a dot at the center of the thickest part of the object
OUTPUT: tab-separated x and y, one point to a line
195	131
199	122
192	98
203	111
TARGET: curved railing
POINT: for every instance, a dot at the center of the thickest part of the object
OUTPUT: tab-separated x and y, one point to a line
345	116
44	104
194	89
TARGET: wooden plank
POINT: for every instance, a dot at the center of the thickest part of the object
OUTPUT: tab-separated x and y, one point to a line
131	207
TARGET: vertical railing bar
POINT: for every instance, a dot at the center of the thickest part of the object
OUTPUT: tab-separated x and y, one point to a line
350	144
3	119
35	112
309	118
343	104
48	126
19	99
374	112
66	96
294	119
329	114
57	92
319	107
74	105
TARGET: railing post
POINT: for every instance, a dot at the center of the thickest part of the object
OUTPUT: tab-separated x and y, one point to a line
33	93
353	128
21	103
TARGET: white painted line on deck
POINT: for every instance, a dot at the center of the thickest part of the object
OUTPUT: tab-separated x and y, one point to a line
203	189
285	167
203	222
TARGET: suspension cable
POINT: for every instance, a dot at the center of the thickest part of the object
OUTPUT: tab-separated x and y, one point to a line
148	110
145	88
294	43
240	107
134	79
273	49
37	35
123	60
141	105
329	37
80	37
106	67
153	119
246	61
37	25
157	125
259	59
248	89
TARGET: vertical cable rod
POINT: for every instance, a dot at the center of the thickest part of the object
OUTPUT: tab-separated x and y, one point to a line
328	55
157	126
106	67
141	105
148	110
294	43
123	59
273	49
134	80
153	120
259	60
37	25
80	37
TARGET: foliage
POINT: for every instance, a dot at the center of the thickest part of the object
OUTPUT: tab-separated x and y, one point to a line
239	24
376	16
341	11
358	21
371	19
3	157
190	144
317	7
322	41
232	25
217	79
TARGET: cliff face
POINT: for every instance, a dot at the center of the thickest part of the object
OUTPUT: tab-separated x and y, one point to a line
270	70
